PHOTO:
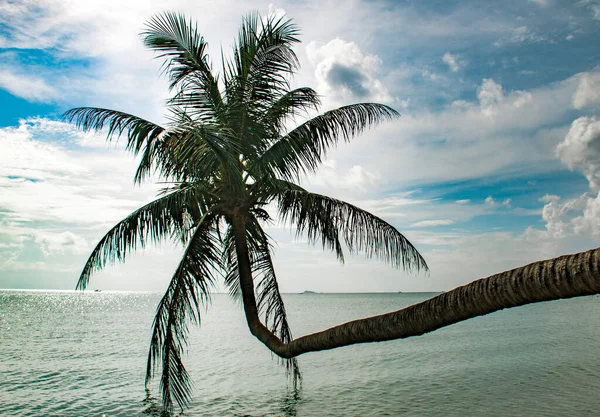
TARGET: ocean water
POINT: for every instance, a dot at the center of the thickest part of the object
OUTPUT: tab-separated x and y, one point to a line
84	354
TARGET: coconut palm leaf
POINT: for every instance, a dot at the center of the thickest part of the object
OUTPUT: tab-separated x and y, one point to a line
183	48
269	300
142	136
161	219
263	59
188	291
303	148
256	76
291	104
140	132
273	61
330	219
195	151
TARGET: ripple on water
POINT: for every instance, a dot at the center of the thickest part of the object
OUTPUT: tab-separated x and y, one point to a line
82	354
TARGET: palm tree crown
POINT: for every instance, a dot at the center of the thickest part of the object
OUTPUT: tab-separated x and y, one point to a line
228	152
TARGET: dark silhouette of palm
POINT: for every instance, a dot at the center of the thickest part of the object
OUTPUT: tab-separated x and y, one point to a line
229	153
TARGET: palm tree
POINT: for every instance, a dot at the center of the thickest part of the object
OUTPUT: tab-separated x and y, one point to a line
227	153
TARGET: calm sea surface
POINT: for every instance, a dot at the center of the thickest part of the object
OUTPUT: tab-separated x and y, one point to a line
84	354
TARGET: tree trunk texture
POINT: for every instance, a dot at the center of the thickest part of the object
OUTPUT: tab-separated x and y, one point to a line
563	277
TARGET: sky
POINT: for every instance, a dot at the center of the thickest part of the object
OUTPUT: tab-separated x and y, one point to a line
494	162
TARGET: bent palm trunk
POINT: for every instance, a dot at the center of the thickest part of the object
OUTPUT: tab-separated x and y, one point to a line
563	277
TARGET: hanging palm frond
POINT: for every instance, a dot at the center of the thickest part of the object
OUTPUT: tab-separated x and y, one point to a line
329	219
156	221
188	291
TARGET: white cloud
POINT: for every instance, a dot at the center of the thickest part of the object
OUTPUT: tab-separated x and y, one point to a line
490	202
594	8
581	149
589	222
429	223
60	190
548	198
343	72
501	131
465	201
580	216
356	178
65	242
518	35
588	91
490	94
453	61
27	86
49	172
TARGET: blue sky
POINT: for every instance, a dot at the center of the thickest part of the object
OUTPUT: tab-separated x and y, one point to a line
494	163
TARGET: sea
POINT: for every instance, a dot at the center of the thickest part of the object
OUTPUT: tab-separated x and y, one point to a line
84	354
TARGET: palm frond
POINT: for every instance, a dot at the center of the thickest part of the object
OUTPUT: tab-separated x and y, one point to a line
329	219
163	218
184	50
272	61
192	151
140	132
188	291
269	300
263	56
180	44
303	148
142	136
257	75
293	103
230	262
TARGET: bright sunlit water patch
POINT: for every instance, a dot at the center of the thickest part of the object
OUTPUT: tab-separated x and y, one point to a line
84	354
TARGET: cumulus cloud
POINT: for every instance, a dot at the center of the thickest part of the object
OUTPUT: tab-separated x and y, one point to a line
60	190
589	221
490	93
344	72
500	132
490	202
345	77
453	61
64	242
581	149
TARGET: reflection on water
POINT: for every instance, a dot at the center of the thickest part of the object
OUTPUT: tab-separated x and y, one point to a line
288	406
153	407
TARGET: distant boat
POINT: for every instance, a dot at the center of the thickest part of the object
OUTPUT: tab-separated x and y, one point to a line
97	290
399	292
